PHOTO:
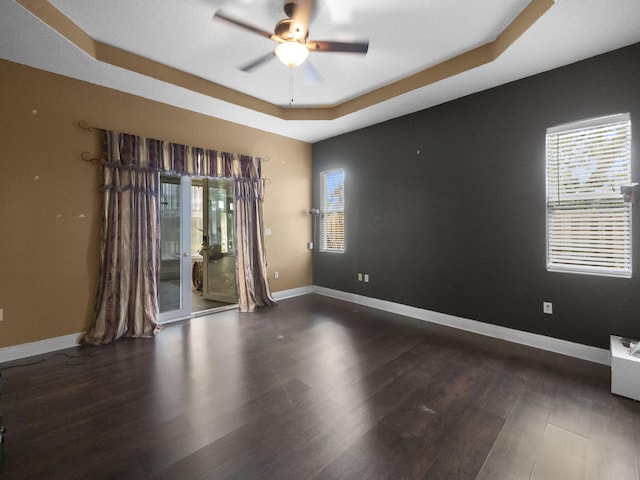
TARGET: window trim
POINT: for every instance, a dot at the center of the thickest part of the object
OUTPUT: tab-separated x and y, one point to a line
322	241
596	200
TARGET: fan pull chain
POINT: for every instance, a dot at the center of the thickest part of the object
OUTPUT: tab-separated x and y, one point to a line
290	86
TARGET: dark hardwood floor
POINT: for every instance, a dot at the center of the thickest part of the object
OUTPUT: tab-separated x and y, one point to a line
320	389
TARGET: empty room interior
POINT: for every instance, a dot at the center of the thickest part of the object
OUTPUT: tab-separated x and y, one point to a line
297	239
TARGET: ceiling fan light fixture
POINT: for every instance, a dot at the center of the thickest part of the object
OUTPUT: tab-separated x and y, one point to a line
292	53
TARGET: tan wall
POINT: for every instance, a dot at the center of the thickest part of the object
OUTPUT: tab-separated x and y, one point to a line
49	200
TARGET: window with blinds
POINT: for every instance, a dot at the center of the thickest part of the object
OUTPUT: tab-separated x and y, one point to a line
588	221
332	211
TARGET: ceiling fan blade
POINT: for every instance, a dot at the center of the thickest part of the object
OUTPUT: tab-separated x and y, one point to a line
329	46
311	75
256	63
239	23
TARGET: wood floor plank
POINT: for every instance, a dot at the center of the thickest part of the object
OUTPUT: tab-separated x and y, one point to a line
574	398
411	438
352	393
562	456
463	454
611	451
515	450
242	454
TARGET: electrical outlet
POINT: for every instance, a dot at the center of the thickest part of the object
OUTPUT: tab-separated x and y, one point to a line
366	277
359	277
276	274
1	314
547	307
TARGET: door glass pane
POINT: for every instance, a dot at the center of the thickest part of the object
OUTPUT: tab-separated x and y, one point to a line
169	295
219	259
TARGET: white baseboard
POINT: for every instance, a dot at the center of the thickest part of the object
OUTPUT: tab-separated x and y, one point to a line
24	350
294	292
585	352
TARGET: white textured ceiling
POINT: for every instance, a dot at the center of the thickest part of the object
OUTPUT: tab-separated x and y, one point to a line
404	36
184	35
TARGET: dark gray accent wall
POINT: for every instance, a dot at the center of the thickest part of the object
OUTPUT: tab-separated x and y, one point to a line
445	208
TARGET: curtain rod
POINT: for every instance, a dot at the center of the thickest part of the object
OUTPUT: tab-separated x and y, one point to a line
86	156
84	124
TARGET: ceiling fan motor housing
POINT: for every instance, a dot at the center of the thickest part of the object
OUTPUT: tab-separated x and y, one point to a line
290	30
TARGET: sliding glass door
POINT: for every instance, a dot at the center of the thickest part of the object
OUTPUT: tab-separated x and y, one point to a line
197	246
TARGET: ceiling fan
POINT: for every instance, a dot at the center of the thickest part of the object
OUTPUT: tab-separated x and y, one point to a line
292	36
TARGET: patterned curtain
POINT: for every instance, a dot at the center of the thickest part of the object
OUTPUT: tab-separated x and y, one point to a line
127	298
251	262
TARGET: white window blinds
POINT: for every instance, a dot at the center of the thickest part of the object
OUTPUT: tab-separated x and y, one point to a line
588	222
332	211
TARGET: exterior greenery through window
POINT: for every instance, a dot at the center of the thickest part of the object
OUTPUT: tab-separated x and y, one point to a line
332	211
588	220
